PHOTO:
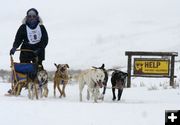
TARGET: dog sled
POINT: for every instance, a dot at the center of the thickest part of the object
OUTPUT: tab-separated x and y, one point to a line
24	75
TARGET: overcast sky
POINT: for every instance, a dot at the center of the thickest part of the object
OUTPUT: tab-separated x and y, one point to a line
83	33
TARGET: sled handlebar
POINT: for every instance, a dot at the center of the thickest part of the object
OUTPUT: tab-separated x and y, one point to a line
25	50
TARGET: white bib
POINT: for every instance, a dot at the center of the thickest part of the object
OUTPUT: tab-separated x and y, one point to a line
34	35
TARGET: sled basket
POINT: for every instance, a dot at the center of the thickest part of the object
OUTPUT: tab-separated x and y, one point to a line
25	68
21	72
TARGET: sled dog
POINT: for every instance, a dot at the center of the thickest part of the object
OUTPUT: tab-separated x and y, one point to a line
93	78
42	76
61	78
118	80
105	79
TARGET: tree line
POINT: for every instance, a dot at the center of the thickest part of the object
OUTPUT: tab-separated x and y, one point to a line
5	75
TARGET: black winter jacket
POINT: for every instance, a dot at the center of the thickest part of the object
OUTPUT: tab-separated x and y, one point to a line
22	39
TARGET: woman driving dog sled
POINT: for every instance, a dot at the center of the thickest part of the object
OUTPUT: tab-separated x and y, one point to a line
33	36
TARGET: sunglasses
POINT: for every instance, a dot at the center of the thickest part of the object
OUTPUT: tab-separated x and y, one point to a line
32	16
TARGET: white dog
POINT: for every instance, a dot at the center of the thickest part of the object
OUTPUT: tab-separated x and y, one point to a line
93	78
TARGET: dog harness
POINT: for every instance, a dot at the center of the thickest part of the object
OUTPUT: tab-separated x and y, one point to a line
97	84
42	83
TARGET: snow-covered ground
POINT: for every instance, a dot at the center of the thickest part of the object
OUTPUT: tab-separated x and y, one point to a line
139	106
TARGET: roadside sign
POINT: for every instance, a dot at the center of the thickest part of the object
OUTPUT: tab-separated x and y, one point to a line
151	66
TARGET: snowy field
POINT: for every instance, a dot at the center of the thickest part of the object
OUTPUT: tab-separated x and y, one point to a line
140	105
88	33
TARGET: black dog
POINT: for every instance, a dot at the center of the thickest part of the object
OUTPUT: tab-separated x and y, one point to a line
118	80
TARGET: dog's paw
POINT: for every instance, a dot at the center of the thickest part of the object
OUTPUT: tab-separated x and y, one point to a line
60	96
101	97
114	98
29	96
95	101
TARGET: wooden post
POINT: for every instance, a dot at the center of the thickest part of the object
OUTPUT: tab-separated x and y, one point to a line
129	72
172	72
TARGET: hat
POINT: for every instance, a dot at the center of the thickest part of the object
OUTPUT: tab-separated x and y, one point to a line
32	11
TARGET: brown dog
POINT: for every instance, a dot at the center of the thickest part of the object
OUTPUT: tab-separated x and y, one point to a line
61	78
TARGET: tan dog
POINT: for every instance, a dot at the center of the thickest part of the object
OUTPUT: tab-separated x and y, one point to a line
61	78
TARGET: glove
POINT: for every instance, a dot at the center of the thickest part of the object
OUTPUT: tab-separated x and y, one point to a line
12	51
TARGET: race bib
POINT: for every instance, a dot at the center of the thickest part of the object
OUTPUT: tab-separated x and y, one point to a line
34	35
